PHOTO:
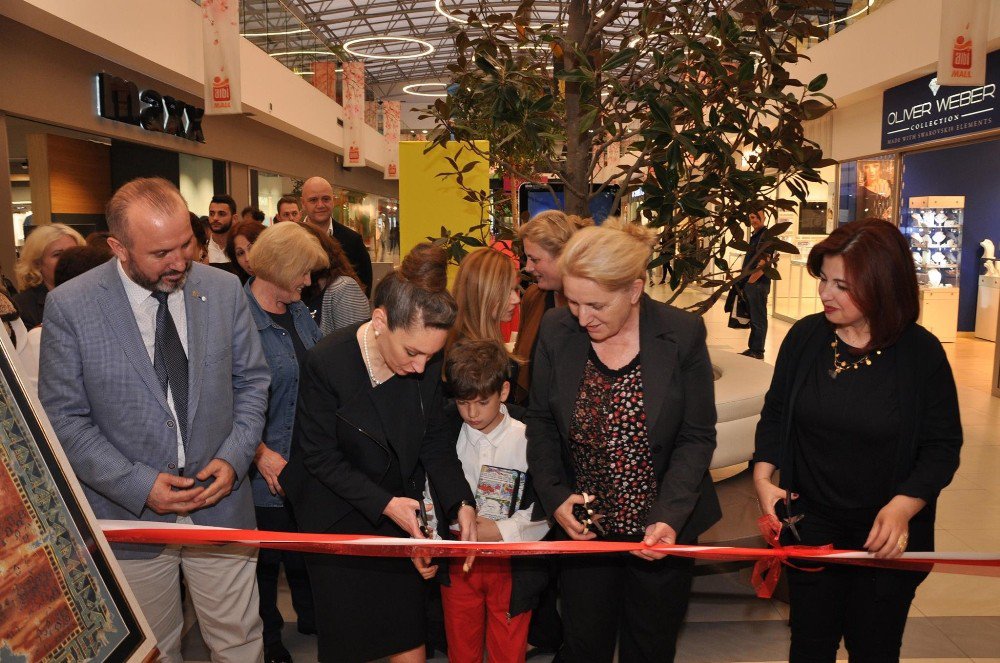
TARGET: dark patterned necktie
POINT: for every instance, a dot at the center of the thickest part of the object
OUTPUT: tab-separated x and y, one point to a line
170	362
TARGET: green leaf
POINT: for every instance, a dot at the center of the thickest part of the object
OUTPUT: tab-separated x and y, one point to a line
587	120
619	59
818	83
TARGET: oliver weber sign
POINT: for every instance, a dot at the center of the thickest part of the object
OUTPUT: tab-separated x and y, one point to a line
922	111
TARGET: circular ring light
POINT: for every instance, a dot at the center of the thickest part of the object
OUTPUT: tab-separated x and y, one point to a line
274	34
451	17
411	89
313	52
847	18
350	43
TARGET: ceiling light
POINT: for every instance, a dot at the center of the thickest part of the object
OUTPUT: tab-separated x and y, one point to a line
450	17
318	51
304	73
411	89
274	34
409	40
847	18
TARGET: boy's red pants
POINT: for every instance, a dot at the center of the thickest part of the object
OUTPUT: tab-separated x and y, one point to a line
475	614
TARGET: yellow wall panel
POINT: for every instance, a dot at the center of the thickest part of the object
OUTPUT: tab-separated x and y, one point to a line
427	202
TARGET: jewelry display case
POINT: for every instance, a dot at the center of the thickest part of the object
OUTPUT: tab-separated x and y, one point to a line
933	227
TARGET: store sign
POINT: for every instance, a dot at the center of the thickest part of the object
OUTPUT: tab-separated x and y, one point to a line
922	110
122	101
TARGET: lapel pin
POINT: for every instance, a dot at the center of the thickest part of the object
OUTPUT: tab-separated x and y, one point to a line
198	295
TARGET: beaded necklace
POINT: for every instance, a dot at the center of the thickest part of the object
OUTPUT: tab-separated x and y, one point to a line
841	366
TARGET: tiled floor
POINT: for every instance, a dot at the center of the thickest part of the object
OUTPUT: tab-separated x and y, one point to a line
954	618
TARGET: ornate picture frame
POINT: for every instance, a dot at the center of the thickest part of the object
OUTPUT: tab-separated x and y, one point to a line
62	594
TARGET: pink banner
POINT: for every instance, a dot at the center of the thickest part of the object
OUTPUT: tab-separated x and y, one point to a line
220	29
354	114
390	130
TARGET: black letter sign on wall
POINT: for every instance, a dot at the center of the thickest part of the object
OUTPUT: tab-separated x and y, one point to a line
120	100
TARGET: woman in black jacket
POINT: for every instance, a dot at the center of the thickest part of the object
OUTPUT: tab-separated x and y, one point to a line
862	421
370	423
622	410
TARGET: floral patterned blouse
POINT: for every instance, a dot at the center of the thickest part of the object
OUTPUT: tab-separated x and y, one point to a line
610	446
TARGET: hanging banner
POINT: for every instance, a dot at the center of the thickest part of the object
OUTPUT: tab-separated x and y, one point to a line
354	114
220	30
962	50
390	131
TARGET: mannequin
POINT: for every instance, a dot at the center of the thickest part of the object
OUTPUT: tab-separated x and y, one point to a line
988	249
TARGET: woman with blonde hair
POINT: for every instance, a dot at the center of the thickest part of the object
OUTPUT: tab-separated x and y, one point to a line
487	292
36	268
281	259
542	239
621	432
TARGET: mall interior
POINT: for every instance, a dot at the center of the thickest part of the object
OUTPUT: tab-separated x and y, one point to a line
67	153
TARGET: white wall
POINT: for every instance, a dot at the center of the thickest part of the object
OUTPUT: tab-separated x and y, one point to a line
196	183
895	44
163	40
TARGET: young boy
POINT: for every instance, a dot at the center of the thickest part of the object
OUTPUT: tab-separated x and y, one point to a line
490	605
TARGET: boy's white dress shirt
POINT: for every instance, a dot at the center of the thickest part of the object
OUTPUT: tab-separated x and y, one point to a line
503	447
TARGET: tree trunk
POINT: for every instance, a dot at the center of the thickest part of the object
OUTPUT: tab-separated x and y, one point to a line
576	175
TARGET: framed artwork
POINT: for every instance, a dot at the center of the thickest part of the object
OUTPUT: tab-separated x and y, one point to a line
62	594
876	188
812	218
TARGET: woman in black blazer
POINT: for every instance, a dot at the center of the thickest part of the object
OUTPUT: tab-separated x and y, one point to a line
370	423
862	420
622	408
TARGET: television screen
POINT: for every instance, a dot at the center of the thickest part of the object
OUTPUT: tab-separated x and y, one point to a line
535	198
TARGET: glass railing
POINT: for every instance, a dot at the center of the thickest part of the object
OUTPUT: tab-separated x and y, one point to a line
842	15
282	35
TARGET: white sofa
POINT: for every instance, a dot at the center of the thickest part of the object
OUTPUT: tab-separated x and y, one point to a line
740	385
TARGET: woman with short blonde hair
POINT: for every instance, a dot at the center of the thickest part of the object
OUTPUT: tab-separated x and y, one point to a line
282	259
486	290
621	432
284	252
36	268
542	241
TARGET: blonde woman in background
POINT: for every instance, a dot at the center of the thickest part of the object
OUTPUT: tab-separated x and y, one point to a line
36	268
622	411
486	290
542	239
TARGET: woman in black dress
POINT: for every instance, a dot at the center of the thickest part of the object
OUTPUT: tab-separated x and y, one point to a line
370	423
862	420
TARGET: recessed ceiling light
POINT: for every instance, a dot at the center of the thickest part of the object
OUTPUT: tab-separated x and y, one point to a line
350	43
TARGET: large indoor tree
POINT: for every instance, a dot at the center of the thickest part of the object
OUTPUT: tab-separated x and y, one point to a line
689	99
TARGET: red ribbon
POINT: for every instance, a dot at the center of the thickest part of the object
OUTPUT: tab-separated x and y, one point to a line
769	560
767	571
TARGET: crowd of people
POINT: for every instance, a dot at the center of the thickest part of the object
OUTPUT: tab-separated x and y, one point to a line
284	400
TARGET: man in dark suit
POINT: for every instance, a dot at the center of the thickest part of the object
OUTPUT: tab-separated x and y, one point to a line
317	208
154	380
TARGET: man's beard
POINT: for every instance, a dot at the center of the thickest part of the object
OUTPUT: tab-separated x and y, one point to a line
157	284
224	229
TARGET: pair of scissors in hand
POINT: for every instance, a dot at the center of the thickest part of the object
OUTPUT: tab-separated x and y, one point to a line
592	519
789	520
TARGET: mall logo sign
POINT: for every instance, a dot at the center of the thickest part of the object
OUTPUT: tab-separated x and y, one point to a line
923	110
122	101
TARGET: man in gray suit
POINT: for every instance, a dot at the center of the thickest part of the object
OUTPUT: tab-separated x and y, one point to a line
154	380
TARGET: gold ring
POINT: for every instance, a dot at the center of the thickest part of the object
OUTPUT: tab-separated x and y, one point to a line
903	540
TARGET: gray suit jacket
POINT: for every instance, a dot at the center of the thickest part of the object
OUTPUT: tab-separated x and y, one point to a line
98	387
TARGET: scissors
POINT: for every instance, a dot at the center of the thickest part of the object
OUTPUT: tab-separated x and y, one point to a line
422	513
789	520
592	519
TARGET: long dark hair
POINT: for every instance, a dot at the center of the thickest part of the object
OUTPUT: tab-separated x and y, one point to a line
339	266
880	269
